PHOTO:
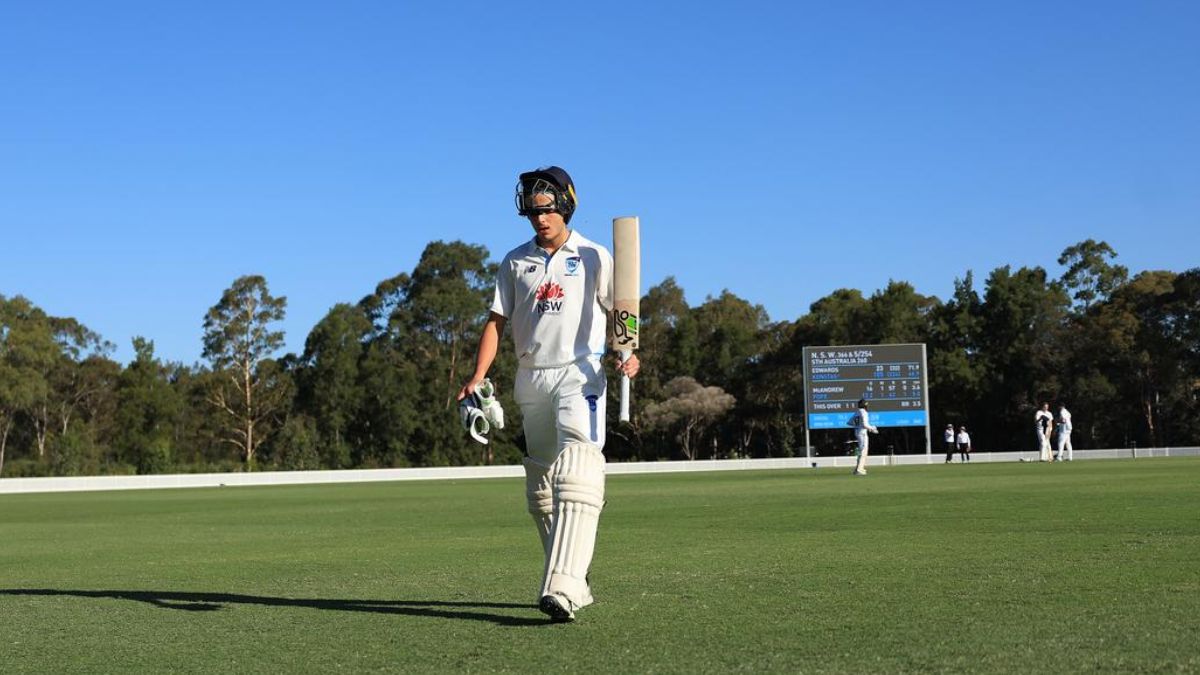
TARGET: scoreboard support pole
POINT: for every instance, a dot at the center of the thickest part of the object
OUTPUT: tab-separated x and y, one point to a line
808	441
928	407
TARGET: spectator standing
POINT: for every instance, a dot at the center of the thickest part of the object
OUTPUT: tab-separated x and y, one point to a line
964	444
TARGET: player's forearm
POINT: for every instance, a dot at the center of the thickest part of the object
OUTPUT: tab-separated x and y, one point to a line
489	344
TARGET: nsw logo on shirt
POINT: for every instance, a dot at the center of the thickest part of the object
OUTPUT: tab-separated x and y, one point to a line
549	298
574	265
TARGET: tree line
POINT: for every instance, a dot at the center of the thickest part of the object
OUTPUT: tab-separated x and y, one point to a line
375	383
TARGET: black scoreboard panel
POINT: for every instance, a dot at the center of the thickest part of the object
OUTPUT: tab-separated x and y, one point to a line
891	377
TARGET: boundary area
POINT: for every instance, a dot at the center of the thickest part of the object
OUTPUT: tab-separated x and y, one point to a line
155	482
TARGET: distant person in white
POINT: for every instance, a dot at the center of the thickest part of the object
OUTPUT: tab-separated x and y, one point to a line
964	444
861	421
1064	436
556	291
1043	420
948	437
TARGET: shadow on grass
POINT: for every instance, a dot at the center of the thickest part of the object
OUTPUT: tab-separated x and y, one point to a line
209	602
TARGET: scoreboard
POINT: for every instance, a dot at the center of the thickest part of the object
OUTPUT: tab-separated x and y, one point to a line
892	378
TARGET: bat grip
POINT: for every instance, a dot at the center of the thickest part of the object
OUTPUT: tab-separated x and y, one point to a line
624	415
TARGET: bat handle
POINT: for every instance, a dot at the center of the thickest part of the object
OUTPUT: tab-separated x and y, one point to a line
624	416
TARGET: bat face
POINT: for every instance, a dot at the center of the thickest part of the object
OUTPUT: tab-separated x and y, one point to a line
626	283
625	327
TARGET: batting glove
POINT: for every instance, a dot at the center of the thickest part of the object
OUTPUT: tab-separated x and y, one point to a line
485	393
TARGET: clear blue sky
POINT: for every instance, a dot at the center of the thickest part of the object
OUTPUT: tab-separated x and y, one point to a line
152	152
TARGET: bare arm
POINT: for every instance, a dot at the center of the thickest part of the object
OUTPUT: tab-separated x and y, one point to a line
489	344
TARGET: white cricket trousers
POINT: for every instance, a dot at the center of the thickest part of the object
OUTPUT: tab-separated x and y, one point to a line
863	443
1043	445
561	406
1064	443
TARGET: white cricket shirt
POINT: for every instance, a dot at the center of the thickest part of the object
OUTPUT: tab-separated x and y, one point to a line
1064	419
556	304
861	421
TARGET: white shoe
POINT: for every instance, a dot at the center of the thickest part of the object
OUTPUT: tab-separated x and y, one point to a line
557	608
860	472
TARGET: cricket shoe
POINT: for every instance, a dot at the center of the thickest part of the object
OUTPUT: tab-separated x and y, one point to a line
557	608
860	472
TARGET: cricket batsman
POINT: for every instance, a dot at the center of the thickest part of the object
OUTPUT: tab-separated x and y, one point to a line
556	290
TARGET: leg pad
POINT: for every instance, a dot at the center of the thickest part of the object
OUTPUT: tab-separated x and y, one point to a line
540	496
577	484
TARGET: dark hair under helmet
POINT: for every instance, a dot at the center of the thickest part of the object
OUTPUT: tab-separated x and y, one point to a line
552	181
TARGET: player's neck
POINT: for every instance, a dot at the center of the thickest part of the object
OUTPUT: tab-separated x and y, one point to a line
553	245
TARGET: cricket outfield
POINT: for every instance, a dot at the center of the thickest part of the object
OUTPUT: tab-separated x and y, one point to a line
983	568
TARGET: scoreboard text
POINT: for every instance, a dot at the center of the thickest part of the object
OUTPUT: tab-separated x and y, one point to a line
890	377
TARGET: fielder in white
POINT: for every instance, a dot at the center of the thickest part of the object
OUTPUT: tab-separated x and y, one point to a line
556	291
1043	420
1064	436
861	421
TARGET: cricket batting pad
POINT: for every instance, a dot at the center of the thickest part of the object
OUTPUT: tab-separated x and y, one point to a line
577	481
541	498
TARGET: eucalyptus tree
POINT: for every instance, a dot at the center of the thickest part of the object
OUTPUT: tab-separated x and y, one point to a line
669	343
66	376
331	391
1133	341
731	335
840	318
427	324
1181	324
898	314
148	411
768	417
1023	347
1089	276
957	369
27	353
238	341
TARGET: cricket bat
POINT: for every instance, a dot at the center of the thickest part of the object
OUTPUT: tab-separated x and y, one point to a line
627	295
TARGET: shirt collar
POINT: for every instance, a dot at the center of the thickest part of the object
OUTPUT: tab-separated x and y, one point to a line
571	245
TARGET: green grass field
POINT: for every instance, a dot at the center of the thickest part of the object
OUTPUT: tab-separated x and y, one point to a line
988	568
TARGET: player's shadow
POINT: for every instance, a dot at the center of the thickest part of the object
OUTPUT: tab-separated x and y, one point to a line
209	602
